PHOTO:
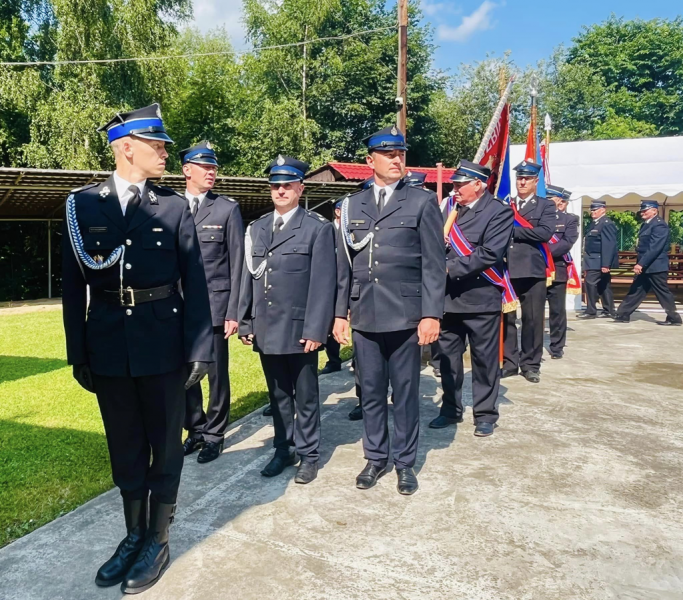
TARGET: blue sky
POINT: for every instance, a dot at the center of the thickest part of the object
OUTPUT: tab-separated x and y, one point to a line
468	30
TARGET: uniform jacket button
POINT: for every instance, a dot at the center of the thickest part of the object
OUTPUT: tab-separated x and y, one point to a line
128	266
376	228
158	243
129	312
376	280
128	242
270	254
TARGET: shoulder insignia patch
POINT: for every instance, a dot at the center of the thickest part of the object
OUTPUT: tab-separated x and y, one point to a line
85	187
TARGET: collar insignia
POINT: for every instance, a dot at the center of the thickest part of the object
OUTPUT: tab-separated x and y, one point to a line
104	192
153	198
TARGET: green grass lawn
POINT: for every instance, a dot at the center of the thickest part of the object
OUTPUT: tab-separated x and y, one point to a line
53	453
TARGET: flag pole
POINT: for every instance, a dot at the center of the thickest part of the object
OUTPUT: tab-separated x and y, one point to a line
548	127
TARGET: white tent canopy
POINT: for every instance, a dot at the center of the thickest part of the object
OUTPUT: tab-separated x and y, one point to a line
622	172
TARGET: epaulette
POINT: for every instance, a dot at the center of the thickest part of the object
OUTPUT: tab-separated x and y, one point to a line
168	190
85	187
228	198
316	216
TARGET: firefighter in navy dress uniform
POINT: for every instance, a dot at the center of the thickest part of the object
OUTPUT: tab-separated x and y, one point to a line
567	230
221	239
472	312
652	268
527	268
130	242
391	277
285	311
600	256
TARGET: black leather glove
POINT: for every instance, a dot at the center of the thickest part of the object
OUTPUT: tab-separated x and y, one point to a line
83	375
198	371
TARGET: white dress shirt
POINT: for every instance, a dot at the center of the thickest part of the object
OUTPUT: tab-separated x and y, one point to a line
522	203
200	197
389	191
286	217
123	192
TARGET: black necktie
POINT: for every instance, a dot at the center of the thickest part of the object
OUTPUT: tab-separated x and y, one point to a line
462	210
382	200
279	224
194	207
133	203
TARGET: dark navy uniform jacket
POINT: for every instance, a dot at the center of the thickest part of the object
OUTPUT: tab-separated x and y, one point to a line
294	299
567	229
524	257
221	239
405	282
600	245
160	248
487	227
653	246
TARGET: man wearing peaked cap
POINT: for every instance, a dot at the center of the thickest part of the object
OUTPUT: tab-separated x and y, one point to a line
652	268
220	230
391	278
529	272
415	178
285	311
473	307
600	255
332	347
566	232
138	344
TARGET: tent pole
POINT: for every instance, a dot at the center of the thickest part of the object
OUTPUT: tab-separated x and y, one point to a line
49	258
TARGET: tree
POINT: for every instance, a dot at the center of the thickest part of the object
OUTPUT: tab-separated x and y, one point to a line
641	63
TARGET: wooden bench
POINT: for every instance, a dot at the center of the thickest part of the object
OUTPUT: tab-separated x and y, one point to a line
627	260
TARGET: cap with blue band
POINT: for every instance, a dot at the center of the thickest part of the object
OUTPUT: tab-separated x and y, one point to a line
286	169
387	139
201	154
470	171
144	123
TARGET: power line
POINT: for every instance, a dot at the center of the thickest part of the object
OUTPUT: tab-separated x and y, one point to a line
43	63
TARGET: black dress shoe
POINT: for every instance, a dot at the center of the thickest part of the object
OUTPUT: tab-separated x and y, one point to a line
622	319
508	373
210	451
191	445
407	481
268	411
586	316
556	355
437	373
671	322
532	376
114	570
330	368
441	422
278	464
154	557
356	414
369	475
484	429
607	315
306	472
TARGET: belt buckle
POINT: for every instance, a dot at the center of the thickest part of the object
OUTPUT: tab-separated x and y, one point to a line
128	300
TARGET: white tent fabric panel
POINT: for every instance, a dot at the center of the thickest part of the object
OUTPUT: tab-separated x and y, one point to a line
630	169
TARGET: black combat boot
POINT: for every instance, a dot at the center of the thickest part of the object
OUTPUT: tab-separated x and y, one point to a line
154	556
114	570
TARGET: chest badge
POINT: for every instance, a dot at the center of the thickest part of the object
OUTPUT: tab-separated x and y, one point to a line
104	192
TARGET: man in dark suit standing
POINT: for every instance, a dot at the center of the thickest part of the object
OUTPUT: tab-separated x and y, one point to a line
221	239
567	232
332	346
652	268
391	276
137	340
528	272
473	304
600	255
285	311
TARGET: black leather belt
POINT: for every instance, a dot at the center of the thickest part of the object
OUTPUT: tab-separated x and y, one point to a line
131	297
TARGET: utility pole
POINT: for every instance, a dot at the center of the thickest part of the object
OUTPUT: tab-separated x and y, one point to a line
401	100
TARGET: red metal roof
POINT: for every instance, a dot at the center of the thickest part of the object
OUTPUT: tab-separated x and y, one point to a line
360	172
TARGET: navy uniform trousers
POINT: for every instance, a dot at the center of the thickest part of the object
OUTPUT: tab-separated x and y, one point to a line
381	357
642	285
483	332
557	316
531	292
599	285
212	424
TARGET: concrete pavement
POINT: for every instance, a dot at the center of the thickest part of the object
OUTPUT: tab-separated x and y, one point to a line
577	495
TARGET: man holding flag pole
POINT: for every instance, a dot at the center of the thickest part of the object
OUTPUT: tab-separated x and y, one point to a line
529	261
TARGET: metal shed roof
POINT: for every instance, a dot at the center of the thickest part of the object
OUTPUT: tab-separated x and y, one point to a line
28	194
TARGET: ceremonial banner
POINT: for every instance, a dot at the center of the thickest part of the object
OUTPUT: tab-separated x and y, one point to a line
462	247
496	149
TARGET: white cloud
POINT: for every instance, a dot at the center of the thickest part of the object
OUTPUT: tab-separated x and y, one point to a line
209	14
479	20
